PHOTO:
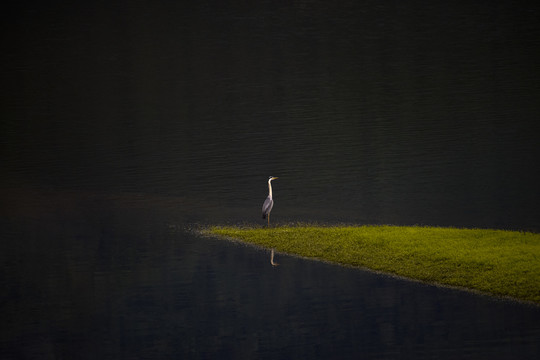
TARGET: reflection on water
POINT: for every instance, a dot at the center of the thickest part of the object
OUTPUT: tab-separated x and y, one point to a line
125	123
272	258
119	277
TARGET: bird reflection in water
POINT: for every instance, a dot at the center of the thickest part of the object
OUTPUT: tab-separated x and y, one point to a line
272	259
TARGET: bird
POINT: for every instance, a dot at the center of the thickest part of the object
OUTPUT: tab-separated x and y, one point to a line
269	202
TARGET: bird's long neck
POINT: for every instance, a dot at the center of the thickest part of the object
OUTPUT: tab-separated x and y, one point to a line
270	188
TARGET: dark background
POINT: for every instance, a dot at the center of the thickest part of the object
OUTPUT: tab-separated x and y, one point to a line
397	113
124	124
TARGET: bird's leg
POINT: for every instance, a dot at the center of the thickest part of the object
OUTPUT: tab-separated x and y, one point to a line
268	219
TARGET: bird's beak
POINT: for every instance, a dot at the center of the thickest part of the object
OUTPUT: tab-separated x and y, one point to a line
274	178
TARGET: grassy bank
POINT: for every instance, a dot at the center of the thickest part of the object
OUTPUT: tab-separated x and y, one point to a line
503	263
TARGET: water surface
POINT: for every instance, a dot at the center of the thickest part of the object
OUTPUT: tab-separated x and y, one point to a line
125	124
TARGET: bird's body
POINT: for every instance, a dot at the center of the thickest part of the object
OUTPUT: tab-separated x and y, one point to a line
269	202
267	207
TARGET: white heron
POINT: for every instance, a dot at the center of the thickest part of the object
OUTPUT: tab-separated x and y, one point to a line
269	202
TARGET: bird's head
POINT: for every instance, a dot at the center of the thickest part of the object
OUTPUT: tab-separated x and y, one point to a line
272	178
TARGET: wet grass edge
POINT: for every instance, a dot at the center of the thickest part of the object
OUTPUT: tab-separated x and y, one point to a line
499	263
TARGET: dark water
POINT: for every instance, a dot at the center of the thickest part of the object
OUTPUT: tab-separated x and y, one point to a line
125	125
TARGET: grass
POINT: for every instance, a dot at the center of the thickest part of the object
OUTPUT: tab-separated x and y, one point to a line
501	263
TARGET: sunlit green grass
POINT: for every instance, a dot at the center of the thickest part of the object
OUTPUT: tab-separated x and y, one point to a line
503	263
